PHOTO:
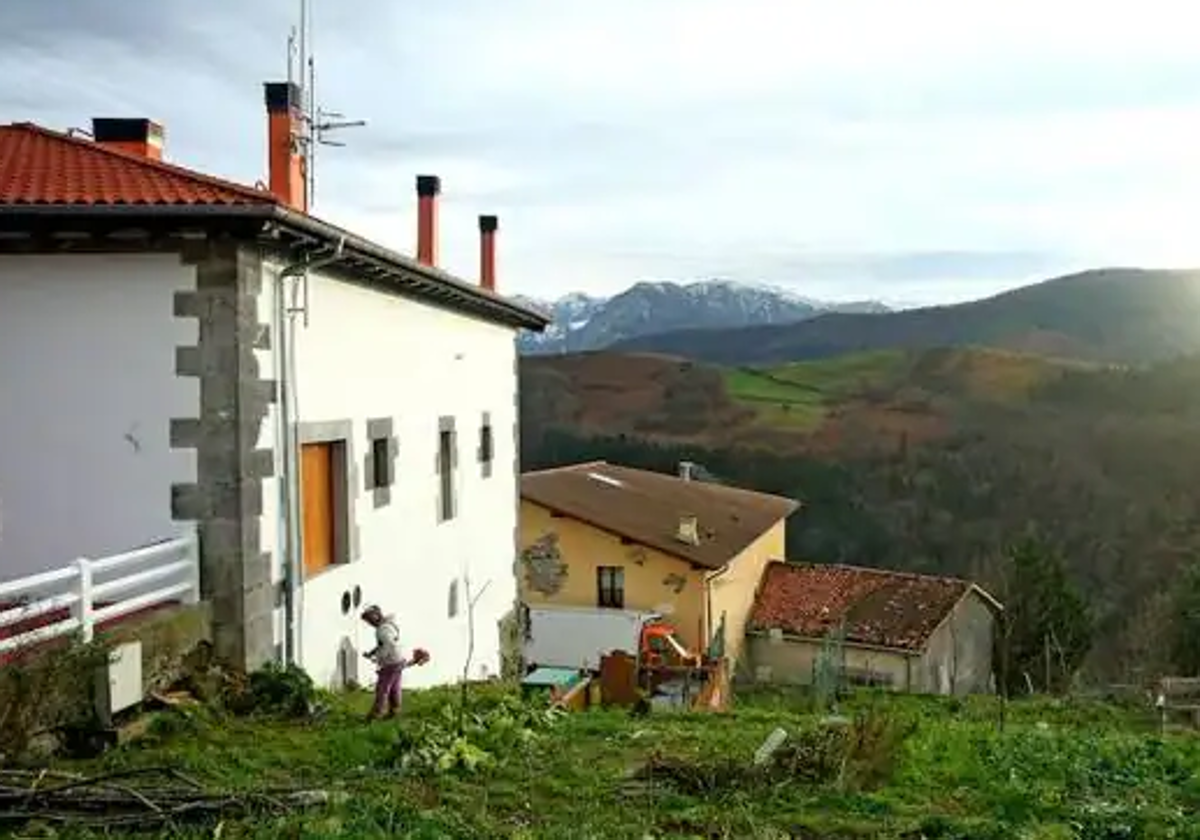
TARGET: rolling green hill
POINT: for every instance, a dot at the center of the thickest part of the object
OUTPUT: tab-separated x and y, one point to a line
1109	315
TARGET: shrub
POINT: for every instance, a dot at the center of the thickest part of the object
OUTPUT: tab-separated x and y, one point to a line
48	690
860	754
875	745
512	643
495	725
284	690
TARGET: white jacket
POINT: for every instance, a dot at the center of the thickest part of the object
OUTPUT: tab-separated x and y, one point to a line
387	643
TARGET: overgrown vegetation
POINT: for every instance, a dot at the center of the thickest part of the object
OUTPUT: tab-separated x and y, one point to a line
1047	626
857	754
896	767
48	691
283	690
1185	620
493	726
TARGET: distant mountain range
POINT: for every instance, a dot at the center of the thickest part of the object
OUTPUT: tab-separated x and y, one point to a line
1109	315
583	322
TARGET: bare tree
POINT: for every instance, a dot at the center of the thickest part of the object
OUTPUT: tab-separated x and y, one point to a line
471	599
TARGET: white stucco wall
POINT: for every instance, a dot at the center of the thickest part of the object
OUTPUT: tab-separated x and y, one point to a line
87	392
367	354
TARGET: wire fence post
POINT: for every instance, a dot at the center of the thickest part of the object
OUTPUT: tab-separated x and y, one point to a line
82	608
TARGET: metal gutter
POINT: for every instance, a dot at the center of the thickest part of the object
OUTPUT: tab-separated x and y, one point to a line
289	484
528	318
407	275
708	578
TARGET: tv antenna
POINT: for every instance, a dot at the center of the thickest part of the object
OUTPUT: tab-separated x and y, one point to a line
318	126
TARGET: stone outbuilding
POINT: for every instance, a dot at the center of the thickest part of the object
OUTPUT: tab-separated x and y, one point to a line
902	631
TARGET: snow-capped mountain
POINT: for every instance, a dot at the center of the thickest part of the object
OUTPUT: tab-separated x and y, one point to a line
583	322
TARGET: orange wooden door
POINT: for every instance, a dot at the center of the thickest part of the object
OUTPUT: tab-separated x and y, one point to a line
317	505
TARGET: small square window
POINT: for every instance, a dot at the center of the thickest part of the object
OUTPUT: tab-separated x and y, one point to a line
487	447
381	464
446	506
610	587
485	444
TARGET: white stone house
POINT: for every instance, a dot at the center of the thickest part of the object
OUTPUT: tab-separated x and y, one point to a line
338	420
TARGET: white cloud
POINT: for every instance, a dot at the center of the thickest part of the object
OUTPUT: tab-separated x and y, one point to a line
686	138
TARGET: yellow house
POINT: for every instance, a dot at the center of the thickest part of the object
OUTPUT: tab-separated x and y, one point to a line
599	534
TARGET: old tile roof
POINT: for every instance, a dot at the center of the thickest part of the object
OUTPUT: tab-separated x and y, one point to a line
646	507
878	607
43	167
46	173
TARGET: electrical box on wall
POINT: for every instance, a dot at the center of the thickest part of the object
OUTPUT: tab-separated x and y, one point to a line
119	683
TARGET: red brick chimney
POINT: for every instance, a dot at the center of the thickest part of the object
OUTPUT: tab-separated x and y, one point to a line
488	225
428	189
285	157
137	136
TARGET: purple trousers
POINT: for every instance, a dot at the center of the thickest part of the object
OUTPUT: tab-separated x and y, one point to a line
387	690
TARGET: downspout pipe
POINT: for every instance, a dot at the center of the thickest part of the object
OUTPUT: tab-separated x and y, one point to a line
285	314
709	577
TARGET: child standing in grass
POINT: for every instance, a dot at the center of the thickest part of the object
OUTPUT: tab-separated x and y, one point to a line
389	661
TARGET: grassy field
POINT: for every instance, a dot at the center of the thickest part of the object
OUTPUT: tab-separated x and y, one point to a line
930	768
800	394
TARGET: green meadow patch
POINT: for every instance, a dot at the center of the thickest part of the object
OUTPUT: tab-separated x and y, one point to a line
801	393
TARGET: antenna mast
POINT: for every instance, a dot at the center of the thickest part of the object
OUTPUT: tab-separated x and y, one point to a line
316	124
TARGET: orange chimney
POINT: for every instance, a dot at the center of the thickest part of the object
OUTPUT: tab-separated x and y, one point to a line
487	252
285	157
428	188
137	136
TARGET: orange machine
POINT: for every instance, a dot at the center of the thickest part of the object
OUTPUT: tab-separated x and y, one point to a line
660	646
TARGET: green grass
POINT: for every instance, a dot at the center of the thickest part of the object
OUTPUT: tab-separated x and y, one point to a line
801	393
1080	770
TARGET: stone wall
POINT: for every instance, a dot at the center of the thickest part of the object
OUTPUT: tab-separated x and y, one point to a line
959	656
227	498
168	636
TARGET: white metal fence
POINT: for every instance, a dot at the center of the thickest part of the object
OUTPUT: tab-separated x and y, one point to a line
88	593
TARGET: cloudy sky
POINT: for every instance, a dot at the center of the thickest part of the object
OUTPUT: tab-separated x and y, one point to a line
925	150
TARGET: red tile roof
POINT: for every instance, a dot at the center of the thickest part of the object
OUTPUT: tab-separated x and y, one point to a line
878	607
43	167
47	173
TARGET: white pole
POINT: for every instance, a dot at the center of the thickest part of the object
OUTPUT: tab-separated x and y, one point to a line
193	556
83	607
